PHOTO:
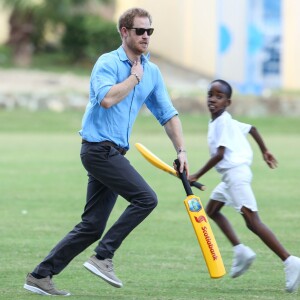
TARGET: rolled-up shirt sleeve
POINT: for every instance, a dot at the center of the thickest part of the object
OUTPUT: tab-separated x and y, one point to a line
159	102
103	77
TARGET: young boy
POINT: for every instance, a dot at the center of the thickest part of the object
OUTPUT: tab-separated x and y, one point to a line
231	155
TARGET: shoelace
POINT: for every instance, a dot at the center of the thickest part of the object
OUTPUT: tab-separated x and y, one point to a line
109	265
51	284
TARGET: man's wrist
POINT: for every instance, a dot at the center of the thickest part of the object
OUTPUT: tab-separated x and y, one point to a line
180	150
136	76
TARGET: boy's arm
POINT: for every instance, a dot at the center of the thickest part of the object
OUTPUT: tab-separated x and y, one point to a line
210	164
268	156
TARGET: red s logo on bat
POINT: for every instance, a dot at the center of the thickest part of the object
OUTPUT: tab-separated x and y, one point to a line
200	219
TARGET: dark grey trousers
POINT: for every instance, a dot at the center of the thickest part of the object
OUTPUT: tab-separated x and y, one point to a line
109	175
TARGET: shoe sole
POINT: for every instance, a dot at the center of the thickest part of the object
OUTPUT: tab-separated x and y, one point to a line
36	290
245	268
95	271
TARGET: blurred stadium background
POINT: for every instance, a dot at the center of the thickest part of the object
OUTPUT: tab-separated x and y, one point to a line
251	43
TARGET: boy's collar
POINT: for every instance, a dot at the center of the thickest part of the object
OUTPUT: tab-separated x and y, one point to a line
220	113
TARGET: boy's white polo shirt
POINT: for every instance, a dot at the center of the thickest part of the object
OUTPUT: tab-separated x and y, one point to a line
227	132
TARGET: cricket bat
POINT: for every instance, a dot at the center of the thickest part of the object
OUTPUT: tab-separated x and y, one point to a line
205	236
158	163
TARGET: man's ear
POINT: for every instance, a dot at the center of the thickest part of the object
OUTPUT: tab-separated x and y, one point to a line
124	32
228	102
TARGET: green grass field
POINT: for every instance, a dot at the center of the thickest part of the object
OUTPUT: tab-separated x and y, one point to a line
43	192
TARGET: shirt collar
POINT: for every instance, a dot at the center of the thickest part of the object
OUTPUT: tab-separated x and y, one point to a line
123	57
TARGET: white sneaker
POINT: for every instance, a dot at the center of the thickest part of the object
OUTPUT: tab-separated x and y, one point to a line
242	261
292	273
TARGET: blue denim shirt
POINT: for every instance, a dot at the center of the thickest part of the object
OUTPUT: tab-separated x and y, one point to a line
115	123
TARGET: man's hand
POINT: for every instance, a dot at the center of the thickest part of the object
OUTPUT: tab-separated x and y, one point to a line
182	157
137	69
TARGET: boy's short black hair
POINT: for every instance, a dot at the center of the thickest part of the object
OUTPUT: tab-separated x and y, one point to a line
227	86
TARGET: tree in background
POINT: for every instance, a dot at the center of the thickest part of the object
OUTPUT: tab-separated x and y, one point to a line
86	37
29	19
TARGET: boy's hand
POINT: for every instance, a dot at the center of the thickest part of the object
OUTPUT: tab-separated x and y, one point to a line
270	159
192	178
